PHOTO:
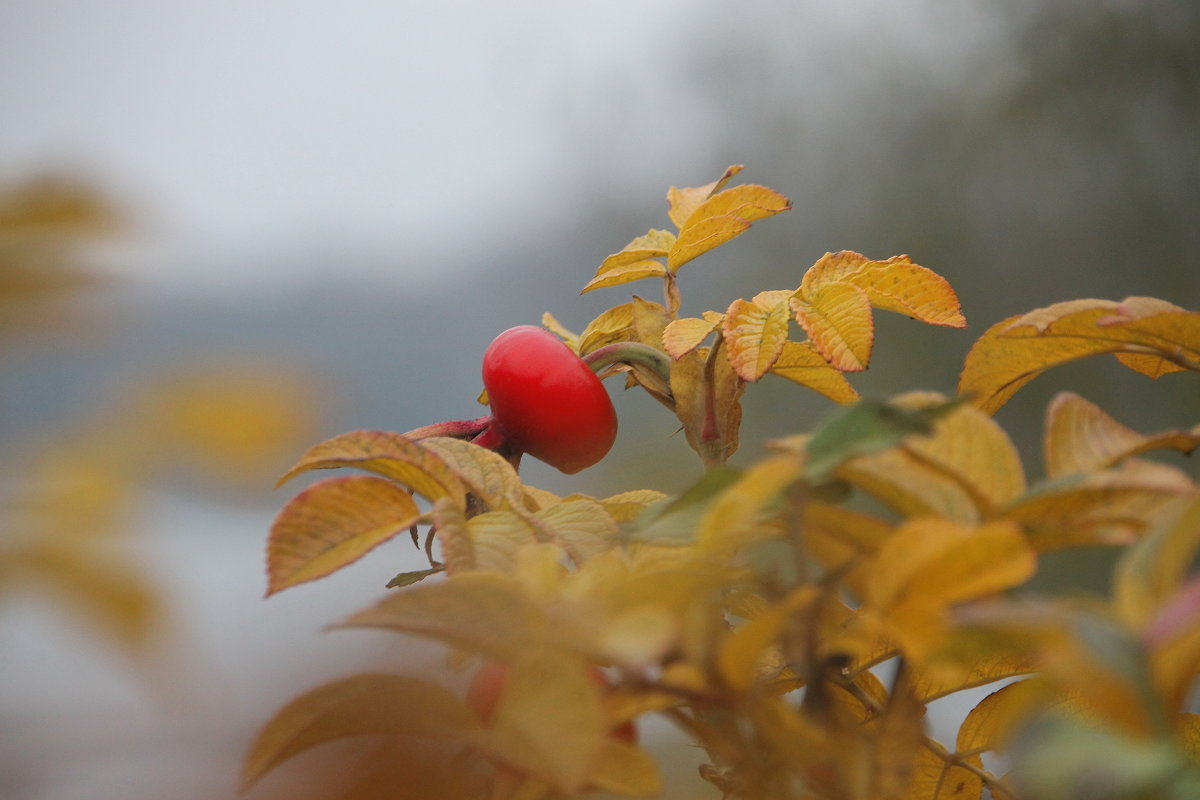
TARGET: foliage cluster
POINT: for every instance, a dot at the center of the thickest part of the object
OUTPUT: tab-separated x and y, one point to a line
797	638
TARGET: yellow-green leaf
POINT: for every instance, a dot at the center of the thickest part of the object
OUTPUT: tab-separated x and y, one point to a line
801	363
551	323
754	337
700	236
364	704
684	335
837	318
625	770
681	203
1017	350
388	454
732	520
1080	437
333	523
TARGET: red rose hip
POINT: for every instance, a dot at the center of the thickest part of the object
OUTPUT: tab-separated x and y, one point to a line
546	400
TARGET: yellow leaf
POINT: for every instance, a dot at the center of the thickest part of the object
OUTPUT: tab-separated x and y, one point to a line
496	537
1109	507
837	318
978	670
1080	437
698	237
1017	350
933	778
484	472
748	201
551	323
969	447
611	326
684	335
910	485
484	612
625	507
801	363
364	704
681	203
581	527
733	518
831	268
333	523
740	655
1188	728
625	273
714	436
654	244
899	285
388	454
754	337
450	524
625	770
549	722
843	540
1152	570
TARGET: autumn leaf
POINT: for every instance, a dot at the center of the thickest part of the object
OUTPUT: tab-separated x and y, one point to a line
800	363
710	420
755	337
551	323
682	203
388	454
1080	437
484	472
374	703
700	236
334	523
684	335
1150	572
1017	350
837	318
611	326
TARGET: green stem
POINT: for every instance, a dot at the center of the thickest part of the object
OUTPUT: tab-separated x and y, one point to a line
635	354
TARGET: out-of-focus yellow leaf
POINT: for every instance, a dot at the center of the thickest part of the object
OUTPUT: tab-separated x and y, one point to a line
980	670
625	770
230	422
389	454
740	654
364	704
496	537
1188	728
625	507
837	318
1152	570
929	564
684	335
1017	350
754	337
801	363
682	203
483	612
1109	507
333	523
625	273
581	527
933	778
732	521
700	236
450	524
549	722
748	201
843	540
1080	437
484	472
909	485
1173	636
969	447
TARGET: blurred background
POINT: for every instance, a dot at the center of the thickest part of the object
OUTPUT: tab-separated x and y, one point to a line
230	230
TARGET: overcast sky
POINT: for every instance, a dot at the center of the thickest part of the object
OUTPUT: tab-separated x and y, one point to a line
232	127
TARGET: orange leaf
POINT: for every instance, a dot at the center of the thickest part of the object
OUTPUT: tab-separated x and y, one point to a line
1017	350
801	363
837	318
388	454
333	523
907	288
364	704
682	202
684	335
703	235
754	337
1080	437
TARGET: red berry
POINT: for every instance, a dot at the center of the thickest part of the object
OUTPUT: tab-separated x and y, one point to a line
547	401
